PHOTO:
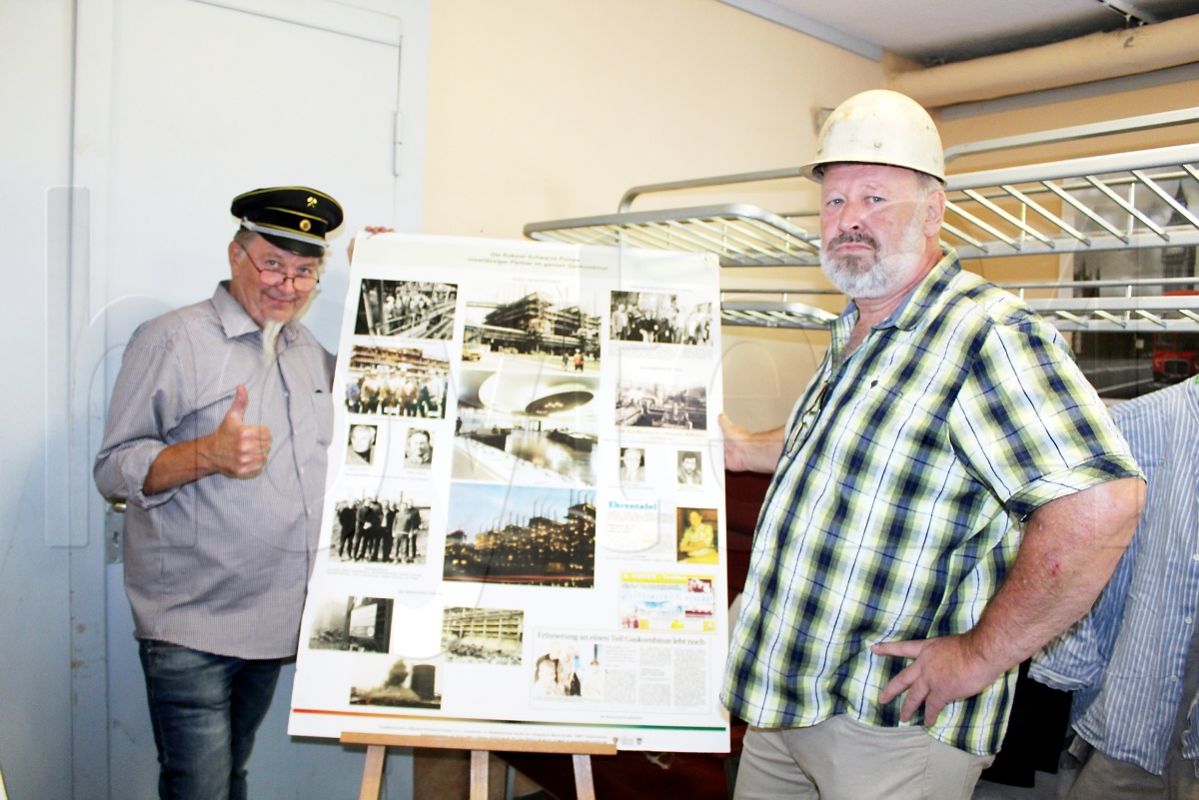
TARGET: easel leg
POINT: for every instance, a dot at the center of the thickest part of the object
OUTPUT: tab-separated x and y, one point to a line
584	786
372	772
478	774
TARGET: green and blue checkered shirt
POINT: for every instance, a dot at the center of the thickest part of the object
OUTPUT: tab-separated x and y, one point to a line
895	509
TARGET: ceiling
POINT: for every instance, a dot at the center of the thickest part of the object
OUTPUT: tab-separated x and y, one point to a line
938	33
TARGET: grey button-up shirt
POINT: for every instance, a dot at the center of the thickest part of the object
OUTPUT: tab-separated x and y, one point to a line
219	564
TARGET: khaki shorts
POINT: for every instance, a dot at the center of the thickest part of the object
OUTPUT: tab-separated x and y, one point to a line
843	759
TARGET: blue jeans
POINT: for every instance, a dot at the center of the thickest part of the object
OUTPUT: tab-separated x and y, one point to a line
205	709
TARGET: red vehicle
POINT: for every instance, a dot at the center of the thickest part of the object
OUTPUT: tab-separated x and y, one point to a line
1175	356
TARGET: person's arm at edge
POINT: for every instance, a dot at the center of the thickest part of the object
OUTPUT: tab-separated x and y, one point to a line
1070	547
750	452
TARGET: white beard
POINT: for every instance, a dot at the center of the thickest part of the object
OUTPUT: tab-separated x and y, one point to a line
858	276
270	337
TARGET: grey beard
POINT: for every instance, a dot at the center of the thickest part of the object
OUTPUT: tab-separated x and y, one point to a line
270	337
861	276
853	279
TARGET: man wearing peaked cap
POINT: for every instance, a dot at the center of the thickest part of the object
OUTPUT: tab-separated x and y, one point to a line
295	218
216	439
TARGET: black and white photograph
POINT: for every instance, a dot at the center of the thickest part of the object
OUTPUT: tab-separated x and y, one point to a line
690	467
397	381
659	318
387	528
408	309
408	683
527	428
534	328
355	624
418	449
482	635
360	449
632	464
527	535
660	398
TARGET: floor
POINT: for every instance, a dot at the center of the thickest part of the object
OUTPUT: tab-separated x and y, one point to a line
1048	787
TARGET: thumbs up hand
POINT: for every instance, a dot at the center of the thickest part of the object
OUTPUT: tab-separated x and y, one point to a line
238	450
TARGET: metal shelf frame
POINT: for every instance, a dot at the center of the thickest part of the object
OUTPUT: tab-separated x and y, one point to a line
1123	201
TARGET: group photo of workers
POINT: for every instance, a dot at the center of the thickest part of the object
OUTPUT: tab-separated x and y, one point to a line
659	318
371	530
408	309
397	382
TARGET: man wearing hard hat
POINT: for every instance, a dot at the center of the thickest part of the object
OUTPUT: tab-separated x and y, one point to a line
949	494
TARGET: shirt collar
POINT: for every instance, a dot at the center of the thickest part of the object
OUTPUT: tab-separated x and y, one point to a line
235	321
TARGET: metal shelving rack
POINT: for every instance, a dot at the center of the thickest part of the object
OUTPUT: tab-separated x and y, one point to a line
1123	201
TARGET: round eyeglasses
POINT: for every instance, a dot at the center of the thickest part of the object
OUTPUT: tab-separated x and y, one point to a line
304	279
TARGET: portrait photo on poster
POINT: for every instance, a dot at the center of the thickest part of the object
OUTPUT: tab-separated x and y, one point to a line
697	535
632	464
418	449
360	450
690	467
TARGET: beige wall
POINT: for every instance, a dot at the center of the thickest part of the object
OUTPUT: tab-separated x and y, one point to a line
544	109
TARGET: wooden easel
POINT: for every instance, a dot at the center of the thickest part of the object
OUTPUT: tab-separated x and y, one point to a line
377	744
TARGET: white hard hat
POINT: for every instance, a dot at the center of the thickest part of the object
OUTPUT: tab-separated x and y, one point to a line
879	127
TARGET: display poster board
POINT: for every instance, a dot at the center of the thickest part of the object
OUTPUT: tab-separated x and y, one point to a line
524	526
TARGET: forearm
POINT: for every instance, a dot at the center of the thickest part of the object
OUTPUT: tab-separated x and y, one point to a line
750	452
179	464
1070	549
763	450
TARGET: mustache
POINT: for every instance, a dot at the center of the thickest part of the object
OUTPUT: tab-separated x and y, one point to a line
854	237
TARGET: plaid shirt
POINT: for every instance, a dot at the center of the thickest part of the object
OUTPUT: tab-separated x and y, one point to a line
895	509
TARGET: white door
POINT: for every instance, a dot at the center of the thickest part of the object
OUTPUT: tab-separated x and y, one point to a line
180	105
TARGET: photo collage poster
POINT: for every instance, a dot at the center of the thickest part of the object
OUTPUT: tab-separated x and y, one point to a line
524	524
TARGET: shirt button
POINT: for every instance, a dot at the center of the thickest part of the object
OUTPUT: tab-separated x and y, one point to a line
1188	620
